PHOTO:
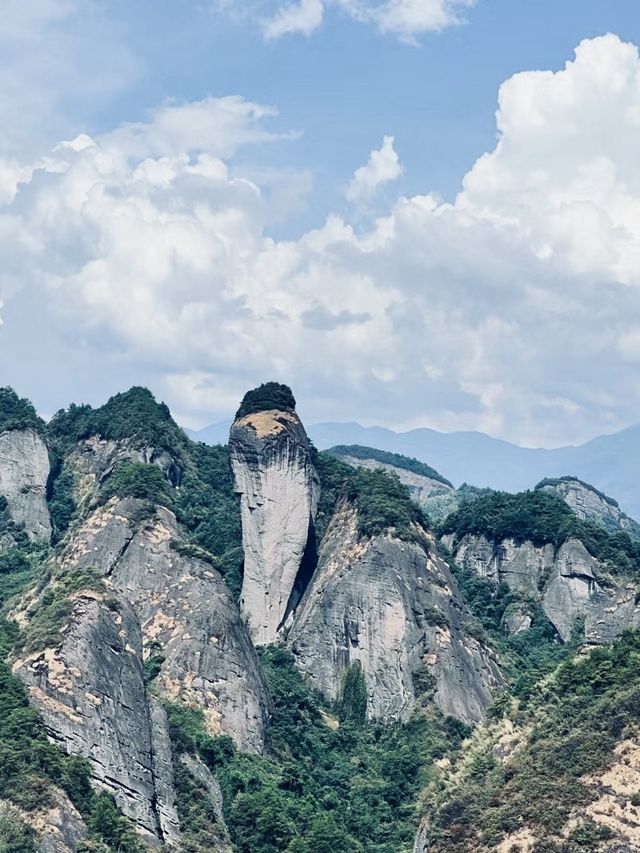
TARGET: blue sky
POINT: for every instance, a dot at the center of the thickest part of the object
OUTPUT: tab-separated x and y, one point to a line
229	207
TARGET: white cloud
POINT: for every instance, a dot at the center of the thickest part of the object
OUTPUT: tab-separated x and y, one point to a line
382	167
515	309
302	17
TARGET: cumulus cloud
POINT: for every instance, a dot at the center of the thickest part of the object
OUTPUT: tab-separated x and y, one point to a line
514	309
382	167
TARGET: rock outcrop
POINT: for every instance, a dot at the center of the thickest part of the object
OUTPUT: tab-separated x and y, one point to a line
393	607
59	827
278	487
420	486
568	582
24	471
150	596
589	503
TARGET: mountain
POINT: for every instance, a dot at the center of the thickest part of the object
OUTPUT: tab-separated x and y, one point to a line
611	463
265	648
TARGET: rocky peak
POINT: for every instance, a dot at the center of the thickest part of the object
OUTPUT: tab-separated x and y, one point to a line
271	459
587	502
24	472
391	606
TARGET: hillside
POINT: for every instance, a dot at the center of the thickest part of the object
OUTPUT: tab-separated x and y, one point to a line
264	648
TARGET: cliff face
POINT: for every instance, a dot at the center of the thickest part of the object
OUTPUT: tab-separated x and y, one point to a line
24	471
568	582
393	608
420	486
148	595
588	503
278	487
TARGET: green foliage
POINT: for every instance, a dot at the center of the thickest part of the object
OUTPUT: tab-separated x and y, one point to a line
352	704
206	504
153	662
62	504
15	835
320	787
110	826
406	463
133	415
557	481
269	395
541	518
334	476
383	502
138	480
55	608
575	719
17	412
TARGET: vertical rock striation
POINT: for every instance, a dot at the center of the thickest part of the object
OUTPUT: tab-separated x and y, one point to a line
278	487
24	471
393	607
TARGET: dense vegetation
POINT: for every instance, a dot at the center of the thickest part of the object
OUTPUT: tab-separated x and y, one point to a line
573	720
327	784
541	518
269	395
406	463
17	412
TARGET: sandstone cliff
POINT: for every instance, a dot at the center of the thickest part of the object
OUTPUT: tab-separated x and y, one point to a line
568	582
278	487
24	471
393	607
589	503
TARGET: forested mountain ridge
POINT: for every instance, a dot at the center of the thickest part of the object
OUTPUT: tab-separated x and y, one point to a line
266	648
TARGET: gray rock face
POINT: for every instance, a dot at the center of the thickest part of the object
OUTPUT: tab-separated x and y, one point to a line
568	582
589	503
183	604
420	486
94	459
59	828
24	471
394	608
278	487
90	692
201	773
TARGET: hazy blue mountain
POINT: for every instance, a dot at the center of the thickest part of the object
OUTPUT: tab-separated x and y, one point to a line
611	463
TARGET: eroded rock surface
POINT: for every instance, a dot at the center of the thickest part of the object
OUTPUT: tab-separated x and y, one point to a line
589	503
59	828
278	487
24	471
420	486
393	607
568	582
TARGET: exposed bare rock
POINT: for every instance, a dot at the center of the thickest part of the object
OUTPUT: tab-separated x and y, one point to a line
59	828
588	502
183	604
278	487
94	459
516	619
202	774
163	775
420	486
90	692
24	471
568	582
393	607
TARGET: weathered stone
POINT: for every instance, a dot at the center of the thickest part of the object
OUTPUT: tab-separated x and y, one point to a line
392	606
183	604
201	773
24	471
59	828
589	503
420	486
90	692
278	487
570	584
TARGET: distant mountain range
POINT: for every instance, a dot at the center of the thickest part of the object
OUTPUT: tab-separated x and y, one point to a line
609	462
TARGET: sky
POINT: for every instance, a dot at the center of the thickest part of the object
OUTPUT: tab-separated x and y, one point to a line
414	212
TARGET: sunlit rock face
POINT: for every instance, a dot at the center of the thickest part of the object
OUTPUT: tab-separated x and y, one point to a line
588	502
278	487
24	471
570	584
393	607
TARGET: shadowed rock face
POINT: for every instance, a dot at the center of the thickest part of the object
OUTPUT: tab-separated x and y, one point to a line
278	487
24	471
568	582
589	503
393	608
183	604
90	687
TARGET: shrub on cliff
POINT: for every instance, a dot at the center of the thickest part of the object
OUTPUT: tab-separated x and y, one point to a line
269	395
